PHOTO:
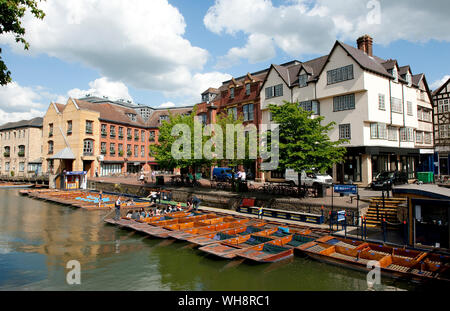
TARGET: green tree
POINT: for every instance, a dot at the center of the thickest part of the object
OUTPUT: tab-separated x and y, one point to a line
11	13
304	143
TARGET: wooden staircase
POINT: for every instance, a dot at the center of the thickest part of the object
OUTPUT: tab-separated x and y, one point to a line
389	212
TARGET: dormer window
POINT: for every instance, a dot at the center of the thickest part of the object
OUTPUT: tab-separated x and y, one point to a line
205	97
303	80
232	92
395	74
132	116
247	89
163	118
409	79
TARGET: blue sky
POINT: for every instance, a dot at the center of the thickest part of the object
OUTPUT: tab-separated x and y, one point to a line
167	52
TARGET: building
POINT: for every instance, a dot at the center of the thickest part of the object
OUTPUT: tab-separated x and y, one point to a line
441	103
100	138
21	148
374	102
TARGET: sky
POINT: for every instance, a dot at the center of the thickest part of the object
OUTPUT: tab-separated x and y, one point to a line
165	53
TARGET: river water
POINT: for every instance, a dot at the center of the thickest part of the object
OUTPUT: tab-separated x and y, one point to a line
38	238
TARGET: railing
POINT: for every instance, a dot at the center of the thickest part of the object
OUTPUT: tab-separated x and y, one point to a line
21	153
86	154
6	154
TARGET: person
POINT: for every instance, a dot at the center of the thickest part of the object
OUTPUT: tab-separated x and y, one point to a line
152	196
129	214
169	208
150	213
100	198
142	178
158	212
195	202
260	212
143	214
243	175
188	203
158	196
117	207
135	215
153	176
179	207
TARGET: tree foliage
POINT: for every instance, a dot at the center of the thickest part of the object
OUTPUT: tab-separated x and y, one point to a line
304	143
11	13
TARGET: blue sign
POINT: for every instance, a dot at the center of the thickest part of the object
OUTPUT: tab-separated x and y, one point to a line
76	173
347	189
341	216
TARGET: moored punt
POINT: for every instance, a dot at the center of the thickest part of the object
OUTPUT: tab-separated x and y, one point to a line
194	232
216	237
14	185
230	248
393	262
271	251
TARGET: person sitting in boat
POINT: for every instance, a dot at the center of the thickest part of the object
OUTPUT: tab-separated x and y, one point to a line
129	214
158	212
150	213
169	208
135	215
179	207
143	214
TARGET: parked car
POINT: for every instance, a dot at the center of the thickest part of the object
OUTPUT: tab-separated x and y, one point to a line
223	174
385	180
308	179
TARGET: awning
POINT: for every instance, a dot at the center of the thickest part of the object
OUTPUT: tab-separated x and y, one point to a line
37	161
65	154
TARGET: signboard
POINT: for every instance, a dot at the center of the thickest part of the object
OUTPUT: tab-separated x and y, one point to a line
341	216
347	189
76	173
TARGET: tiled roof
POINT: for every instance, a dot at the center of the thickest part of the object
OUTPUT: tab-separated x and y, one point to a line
211	90
35	122
153	121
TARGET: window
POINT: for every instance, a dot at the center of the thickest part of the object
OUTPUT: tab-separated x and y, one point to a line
142	151
136	135
409	108
112	148
346	102
121	150
6	166
132	116
163	118
232	92
142	136
381	102
427	138
103	148
303	80
419	137
112	131
136	150
21	166
344	131
274	91
247	89
406	134
233	112
120	132
378	131
443	131
340	74
7	152
443	105
310	105
50	147
21	152
50	130
396	105
69	127
426	115
392	133
104	131
88	147
248	112
205	97
395	74
129	134
152	136
129	150
89	125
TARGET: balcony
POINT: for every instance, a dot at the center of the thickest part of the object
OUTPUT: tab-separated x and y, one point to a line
120	153
120	136
112	135
129	153
136	138
6	154
104	134
21	153
129	137
103	151
89	131
50	134
112	152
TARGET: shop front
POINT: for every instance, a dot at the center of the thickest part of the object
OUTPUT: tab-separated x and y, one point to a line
111	168
75	180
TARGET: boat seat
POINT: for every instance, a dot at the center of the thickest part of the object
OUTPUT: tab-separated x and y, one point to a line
315	249
298	240
250	230
273	249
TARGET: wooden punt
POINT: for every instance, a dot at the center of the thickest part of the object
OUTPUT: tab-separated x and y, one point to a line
215	237
271	251
394	262
194	232
161	222
230	248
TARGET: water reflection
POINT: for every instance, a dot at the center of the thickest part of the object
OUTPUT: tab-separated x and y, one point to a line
37	239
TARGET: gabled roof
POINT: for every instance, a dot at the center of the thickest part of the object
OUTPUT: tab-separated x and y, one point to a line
153	121
211	90
35	122
65	154
441	87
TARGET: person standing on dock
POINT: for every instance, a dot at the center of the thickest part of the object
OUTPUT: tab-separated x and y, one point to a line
117	207
196	202
260	212
100	198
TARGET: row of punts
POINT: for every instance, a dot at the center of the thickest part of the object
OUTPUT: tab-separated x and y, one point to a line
265	242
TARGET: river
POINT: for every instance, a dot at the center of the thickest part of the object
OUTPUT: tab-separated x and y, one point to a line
38	238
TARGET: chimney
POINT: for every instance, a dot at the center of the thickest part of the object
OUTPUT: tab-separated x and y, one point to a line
365	44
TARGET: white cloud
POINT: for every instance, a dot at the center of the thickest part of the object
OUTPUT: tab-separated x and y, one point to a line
436	84
258	48
301	27
167	105
140	42
103	87
18	102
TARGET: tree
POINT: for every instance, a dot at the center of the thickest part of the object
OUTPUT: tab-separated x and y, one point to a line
304	143
11	13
